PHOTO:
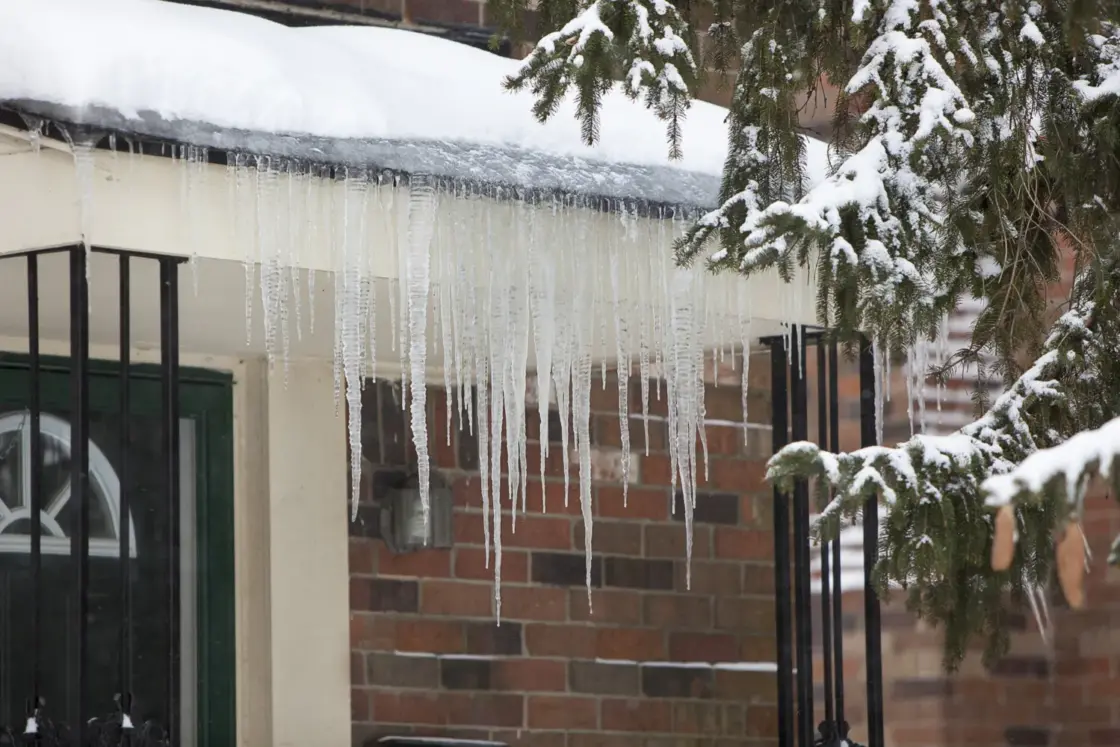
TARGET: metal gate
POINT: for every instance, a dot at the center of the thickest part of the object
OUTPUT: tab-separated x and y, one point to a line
66	690
793	547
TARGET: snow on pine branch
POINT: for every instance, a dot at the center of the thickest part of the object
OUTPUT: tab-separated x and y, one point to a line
926	467
931	471
936	533
641	39
1066	468
876	220
1107	70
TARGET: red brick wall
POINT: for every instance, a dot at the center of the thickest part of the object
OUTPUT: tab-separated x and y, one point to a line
427	657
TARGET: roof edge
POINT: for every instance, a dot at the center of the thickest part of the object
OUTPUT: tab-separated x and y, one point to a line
497	172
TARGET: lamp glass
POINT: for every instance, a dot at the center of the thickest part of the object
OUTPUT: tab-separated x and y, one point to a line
412	531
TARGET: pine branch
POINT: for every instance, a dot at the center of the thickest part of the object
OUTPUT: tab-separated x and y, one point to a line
976	142
937	529
641	41
872	227
1104	80
765	160
1061	472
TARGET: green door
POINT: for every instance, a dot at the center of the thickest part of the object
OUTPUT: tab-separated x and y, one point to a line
204	649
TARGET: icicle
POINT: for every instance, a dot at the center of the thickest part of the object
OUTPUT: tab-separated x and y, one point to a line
887	374
349	320
297	219
922	385
581	417
403	320
461	346
195	171
467	326
339	214
35	126
498	319
267	249
622	374
283	258
684	361
745	340
746	374
942	359
644	374
82	146
562	372
542	280
390	207
482	389
911	385
421	224
367	300
444	252
518	343
659	284
1036	600
877	358
496	412
241	181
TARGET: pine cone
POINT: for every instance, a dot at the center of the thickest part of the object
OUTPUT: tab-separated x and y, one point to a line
1070	557
1003	542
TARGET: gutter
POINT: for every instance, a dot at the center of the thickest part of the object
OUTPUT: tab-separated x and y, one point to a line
502	173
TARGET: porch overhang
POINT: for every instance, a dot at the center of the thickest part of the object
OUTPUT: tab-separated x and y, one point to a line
227	221
375	197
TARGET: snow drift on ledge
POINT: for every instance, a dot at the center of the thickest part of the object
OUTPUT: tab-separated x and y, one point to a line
498	284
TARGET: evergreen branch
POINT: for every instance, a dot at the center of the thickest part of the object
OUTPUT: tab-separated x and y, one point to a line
642	41
765	160
871	227
978	141
1063	471
937	532
1104	79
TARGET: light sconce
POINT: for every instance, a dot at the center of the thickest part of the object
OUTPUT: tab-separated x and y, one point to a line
402	515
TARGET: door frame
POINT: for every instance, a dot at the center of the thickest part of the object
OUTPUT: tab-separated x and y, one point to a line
206	396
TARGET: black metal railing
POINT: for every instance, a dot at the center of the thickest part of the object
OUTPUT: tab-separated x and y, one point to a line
97	719
793	546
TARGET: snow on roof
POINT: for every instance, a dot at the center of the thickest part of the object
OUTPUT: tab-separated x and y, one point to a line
380	97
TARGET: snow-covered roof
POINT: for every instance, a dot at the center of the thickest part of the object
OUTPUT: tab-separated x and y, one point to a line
375	97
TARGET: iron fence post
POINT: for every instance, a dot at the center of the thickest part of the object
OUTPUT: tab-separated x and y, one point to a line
837	572
827	623
872	622
35	482
125	579
169	369
802	578
780	429
79	484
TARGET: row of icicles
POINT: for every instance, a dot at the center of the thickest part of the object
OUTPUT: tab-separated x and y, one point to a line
505	286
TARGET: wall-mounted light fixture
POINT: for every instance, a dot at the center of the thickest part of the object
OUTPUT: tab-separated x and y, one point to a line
402	515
